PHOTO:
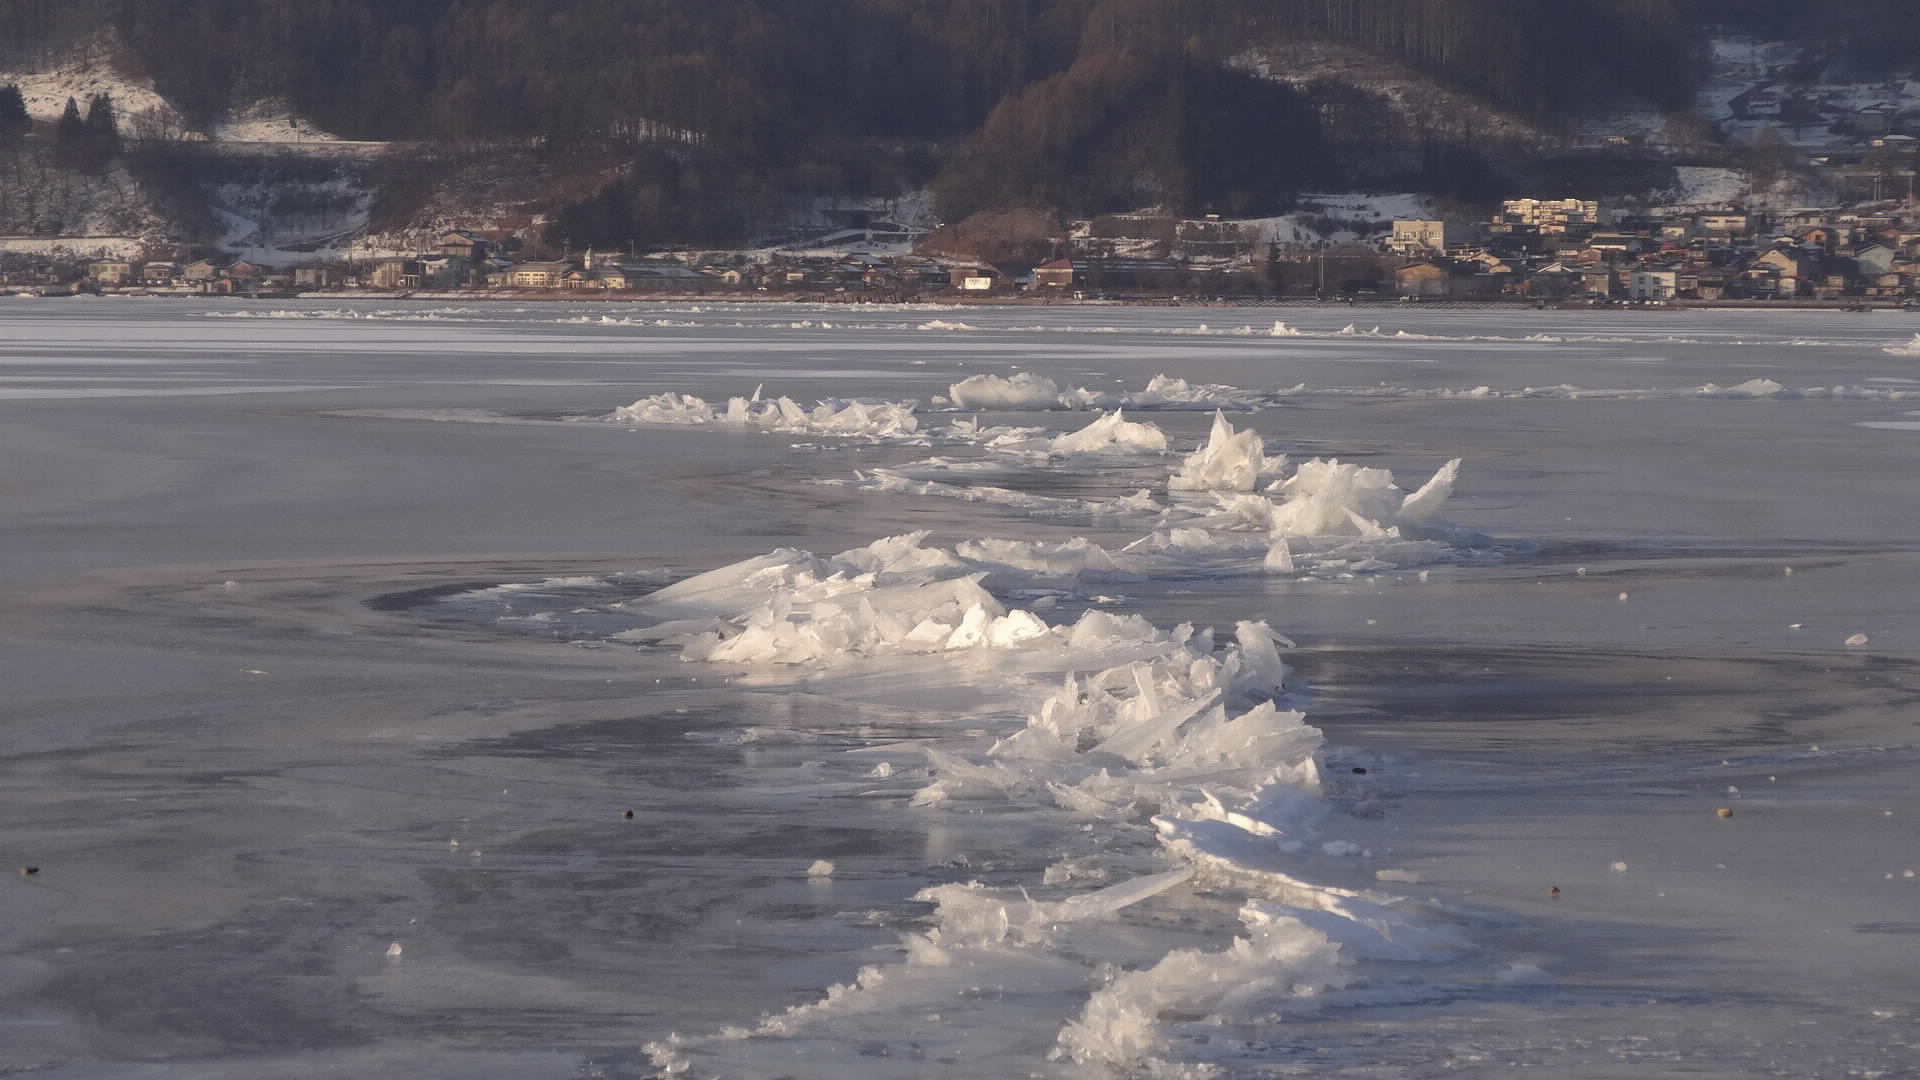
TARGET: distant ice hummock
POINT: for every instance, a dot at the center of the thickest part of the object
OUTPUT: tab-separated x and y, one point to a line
782	414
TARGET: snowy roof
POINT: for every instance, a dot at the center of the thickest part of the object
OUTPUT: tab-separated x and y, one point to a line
661	270
1121	262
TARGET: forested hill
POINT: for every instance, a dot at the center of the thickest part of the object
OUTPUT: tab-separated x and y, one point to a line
1077	104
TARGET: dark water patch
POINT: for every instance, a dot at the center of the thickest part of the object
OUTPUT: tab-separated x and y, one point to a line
409	600
1800	553
262	982
1637	703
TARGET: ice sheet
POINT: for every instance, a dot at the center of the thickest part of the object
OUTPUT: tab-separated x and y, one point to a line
367	683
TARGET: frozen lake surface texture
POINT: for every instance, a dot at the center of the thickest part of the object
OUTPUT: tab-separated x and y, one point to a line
549	690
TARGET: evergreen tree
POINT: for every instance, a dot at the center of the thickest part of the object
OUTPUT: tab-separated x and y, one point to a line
70	122
14	121
100	116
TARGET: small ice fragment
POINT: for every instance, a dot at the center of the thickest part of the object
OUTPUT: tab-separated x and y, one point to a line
1793	626
821	868
1423	575
1522	974
1856	641
229	585
1789	571
1408	877
1074	870
393	949
1340	847
882	770
1623	598
1731	790
1619	867
1580	570
1906	873
1373	622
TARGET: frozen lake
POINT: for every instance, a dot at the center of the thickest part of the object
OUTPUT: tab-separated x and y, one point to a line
341	640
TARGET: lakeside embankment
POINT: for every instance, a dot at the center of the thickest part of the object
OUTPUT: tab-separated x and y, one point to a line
1857	305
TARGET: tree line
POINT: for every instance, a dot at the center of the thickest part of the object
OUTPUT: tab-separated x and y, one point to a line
767	74
709	109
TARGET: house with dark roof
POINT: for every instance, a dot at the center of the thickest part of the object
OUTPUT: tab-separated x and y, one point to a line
461	244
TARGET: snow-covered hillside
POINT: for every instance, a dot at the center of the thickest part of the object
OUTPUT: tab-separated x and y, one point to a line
49	206
1707	188
101	67
1756	85
1415	101
279	220
1339	218
96	68
268	122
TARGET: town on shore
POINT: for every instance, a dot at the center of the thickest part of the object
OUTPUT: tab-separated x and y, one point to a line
1558	251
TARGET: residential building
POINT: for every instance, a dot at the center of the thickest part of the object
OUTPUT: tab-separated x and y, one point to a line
1556	280
538	275
111	271
663	275
459	243
1550	215
1057	274
322	276
1423	280
1416	237
1724	224
1874	260
1654	283
397	274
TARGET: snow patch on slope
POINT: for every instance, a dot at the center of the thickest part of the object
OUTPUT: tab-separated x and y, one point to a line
89	70
268	121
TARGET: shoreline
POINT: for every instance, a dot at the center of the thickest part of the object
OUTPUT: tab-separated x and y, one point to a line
1852	306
